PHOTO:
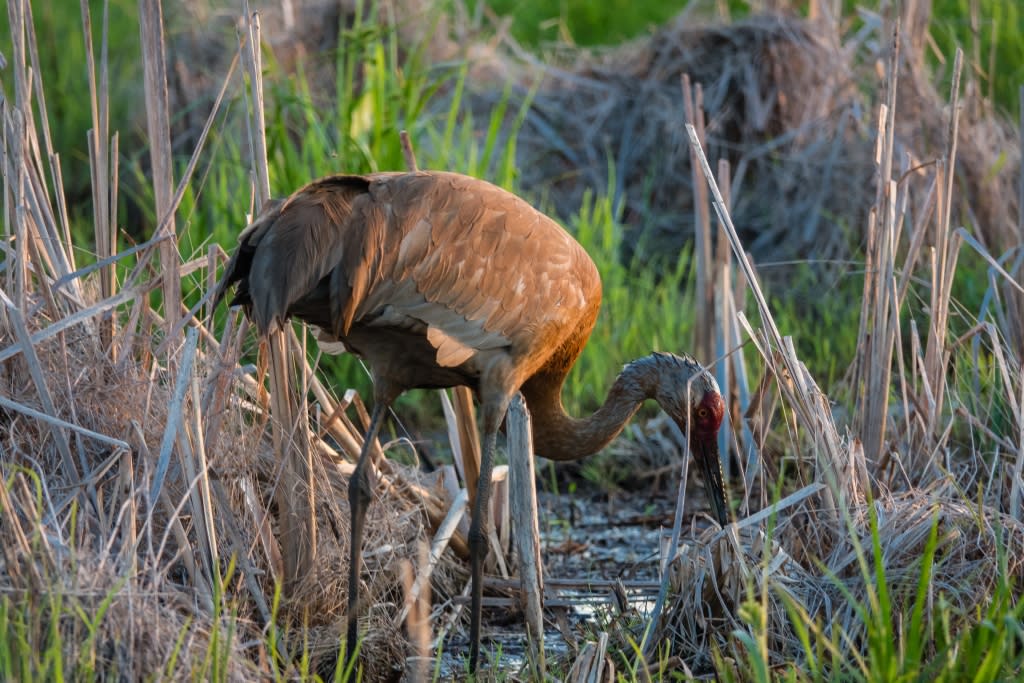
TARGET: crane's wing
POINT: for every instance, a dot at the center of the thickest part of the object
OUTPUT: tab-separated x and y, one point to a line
464	263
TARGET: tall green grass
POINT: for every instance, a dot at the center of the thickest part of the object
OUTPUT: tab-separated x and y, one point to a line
643	309
583	22
992	34
62	60
903	632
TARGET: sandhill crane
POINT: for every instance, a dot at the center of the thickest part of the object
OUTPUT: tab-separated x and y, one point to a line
440	280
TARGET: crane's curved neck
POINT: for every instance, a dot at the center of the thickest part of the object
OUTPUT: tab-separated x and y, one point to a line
559	436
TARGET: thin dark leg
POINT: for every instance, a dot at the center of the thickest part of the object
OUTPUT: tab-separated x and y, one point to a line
359	494
478	544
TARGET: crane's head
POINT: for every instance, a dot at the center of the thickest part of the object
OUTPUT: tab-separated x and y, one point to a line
690	395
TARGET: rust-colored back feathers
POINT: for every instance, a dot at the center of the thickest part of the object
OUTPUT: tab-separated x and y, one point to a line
452	260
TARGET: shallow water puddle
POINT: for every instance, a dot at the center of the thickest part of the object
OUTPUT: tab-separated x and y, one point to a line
600	561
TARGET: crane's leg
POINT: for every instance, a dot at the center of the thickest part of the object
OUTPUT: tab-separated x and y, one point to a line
359	495
478	541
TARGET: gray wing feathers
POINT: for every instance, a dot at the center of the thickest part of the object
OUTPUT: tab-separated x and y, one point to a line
296	245
293	258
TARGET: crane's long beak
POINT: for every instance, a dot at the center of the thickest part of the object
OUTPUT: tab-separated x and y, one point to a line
706	451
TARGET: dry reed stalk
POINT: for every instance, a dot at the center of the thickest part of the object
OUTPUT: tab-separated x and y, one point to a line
1016	506
693	106
592	664
523	492
192	452
103	157
159	129
501	516
63	229
730	368
407	152
747	442
295	493
418	622
442	538
721	291
469	438
801	392
946	246
337	423
174	418
875	345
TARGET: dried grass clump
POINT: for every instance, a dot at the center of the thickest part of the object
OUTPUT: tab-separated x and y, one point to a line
103	561
780	103
712	575
126	628
148	561
790	103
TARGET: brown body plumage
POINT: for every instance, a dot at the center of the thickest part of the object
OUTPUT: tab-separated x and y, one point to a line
440	280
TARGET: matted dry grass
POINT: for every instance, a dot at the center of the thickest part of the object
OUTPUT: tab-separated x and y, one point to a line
93	537
812	565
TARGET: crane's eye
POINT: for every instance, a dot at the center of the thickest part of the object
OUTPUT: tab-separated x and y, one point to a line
702	412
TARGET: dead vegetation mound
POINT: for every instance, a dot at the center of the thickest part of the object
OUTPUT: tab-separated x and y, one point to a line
819	573
788	103
88	533
779	102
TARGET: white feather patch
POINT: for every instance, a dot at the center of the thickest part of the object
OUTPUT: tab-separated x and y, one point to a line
450	351
326	342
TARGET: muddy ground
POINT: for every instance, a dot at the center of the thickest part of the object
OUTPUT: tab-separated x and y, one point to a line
601	558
